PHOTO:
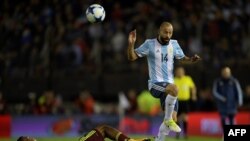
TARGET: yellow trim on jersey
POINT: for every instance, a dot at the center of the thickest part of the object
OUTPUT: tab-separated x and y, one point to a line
184	86
91	133
117	136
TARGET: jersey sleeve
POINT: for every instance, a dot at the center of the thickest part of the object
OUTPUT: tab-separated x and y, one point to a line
143	49
178	53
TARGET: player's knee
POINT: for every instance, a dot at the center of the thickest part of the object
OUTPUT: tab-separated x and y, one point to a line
172	90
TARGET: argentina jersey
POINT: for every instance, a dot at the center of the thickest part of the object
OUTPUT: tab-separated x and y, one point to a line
160	59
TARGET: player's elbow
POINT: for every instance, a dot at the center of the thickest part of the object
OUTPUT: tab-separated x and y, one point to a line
132	59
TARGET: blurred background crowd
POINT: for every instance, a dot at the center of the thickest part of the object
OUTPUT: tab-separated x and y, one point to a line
52	61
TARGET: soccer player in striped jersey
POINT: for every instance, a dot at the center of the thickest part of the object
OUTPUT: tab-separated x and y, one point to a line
98	134
161	52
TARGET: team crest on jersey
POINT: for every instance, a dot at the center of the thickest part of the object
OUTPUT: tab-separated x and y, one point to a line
170	50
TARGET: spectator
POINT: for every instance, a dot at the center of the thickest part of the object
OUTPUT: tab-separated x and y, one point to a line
49	103
3	105
132	98
85	102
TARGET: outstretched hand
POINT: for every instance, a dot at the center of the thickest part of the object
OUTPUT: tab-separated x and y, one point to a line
132	37
195	58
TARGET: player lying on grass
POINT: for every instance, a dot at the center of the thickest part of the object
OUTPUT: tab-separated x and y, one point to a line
99	133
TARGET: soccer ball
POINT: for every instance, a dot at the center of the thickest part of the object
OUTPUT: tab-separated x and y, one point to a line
95	13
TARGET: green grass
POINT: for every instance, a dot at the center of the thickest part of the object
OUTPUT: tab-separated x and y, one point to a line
76	139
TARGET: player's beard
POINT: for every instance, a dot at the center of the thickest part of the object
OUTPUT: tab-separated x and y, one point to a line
164	41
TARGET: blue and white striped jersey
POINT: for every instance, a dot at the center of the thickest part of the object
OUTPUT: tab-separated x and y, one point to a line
160	59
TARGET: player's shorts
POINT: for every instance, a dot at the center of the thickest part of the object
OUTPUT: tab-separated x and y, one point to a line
93	135
158	90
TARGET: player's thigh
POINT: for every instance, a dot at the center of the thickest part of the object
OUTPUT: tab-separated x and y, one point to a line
159	91
172	89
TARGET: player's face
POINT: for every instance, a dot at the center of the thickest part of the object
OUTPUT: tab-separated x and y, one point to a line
180	72
165	33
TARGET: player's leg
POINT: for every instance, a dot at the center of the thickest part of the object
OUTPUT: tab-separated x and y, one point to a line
159	90
114	134
182	116
171	92
174	116
163	130
223	118
231	119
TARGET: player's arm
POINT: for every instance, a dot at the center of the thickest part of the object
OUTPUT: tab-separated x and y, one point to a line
194	93
193	88
239	92
182	57
192	59
131	46
216	94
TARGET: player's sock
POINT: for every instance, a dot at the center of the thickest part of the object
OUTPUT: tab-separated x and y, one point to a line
169	106
160	137
163	131
185	128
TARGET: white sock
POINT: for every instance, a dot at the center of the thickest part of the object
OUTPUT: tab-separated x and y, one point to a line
162	133
169	106
160	137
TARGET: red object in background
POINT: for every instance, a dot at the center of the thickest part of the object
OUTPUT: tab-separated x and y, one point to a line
243	118
62	126
5	125
130	125
208	123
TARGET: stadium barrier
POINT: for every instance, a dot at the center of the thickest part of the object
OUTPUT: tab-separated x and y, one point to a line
199	124
5	126
208	124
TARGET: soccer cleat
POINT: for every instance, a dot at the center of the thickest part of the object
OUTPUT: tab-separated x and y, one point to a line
172	125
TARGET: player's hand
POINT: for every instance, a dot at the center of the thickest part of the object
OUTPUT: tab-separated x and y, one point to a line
194	98
132	37
224	100
195	58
